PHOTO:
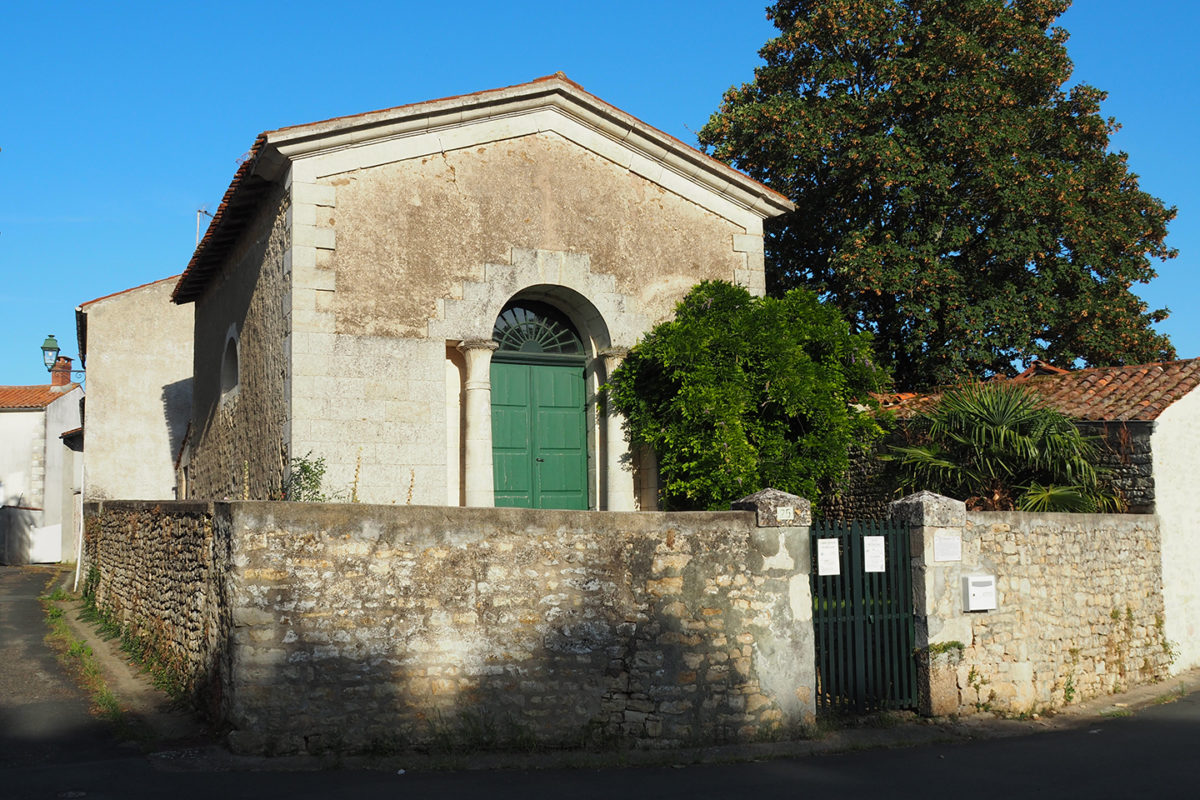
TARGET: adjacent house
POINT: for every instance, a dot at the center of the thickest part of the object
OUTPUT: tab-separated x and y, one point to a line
1149	415
428	298
40	472
137	348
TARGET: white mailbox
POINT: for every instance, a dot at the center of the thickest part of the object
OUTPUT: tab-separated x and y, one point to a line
979	593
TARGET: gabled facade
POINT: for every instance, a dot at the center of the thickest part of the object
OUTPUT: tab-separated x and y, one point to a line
137	348
429	298
39	473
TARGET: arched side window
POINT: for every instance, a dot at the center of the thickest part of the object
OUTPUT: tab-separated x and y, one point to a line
230	373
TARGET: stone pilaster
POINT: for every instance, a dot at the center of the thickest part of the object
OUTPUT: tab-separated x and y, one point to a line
618	466
781	551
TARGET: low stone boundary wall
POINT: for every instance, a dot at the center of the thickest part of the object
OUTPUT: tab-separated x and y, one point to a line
312	627
158	571
349	627
1079	609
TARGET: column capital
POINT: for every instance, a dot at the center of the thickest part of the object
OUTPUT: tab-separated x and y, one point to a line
477	344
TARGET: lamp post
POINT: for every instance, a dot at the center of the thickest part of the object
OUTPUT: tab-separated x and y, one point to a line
50	351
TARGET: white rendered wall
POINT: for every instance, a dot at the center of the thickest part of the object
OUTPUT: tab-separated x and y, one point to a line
18	429
1175	444
62	415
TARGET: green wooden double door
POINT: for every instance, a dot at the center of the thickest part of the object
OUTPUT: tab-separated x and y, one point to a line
539	439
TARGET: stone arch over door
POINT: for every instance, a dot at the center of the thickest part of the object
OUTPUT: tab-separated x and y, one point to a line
607	321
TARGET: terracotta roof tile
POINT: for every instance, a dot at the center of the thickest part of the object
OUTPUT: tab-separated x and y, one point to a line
1138	393
31	397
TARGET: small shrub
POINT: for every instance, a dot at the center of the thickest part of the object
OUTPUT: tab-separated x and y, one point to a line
304	479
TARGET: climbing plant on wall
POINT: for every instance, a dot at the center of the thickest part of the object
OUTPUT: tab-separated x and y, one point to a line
738	393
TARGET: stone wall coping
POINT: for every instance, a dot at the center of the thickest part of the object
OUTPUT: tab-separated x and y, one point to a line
351	516
1057	518
167	506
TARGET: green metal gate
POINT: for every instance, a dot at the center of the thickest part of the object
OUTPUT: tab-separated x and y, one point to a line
863	616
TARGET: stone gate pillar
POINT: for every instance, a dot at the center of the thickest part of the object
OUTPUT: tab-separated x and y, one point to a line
785	661
477	436
936	525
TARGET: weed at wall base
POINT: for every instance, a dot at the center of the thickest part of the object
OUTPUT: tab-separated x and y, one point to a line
146	652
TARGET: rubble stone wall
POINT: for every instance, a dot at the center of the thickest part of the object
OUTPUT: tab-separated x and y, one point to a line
351	627
158	570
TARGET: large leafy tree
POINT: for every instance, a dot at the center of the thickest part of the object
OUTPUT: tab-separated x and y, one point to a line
950	196
738	393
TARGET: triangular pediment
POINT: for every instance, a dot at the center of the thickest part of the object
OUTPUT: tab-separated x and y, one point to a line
553	104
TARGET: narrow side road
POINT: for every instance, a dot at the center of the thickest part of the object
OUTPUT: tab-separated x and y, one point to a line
44	717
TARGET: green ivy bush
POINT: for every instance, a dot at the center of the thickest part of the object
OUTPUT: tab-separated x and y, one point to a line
738	393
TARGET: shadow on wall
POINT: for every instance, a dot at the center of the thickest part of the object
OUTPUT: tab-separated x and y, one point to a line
17	527
504	642
177	411
595	681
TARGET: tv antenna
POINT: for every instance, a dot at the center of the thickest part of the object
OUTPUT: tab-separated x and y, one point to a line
202	210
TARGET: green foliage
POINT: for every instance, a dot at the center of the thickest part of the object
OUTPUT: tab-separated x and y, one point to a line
950	196
303	481
995	447
738	393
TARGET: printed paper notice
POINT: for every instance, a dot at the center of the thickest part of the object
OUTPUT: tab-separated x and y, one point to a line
874	559
828	562
947	546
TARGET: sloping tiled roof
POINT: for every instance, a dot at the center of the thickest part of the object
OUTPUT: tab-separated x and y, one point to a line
1098	394
31	397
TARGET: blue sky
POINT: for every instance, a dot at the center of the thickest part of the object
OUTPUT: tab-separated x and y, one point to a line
119	120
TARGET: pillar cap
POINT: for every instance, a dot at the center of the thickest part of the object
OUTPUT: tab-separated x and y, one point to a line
928	510
767	504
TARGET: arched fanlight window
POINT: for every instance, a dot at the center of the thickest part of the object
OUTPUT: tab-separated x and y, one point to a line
533	328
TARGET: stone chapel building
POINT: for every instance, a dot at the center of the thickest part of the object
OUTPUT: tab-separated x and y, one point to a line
428	297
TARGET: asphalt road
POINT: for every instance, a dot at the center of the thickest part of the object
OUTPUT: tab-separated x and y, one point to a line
51	748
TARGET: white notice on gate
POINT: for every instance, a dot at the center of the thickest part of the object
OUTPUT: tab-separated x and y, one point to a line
828	562
874	559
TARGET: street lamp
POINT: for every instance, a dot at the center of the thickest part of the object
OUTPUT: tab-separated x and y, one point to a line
50	352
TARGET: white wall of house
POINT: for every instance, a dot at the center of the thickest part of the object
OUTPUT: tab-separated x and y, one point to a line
1176	446
39	474
139	382
62	415
21	434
